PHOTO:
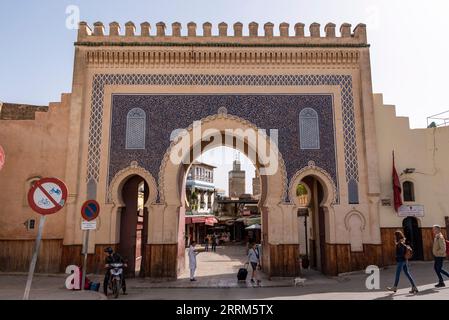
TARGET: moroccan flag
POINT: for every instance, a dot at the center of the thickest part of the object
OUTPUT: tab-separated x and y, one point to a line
396	188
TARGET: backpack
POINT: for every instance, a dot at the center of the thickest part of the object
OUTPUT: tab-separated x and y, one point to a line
447	248
408	252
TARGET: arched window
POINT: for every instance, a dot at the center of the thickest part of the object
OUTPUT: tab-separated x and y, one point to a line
135	129
309	130
409	191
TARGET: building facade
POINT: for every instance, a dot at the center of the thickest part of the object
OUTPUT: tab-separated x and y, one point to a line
133	91
200	188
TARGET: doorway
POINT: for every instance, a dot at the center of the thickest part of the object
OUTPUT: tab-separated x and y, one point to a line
413	237
314	223
134	225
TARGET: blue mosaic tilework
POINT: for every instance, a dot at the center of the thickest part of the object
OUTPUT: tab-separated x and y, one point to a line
101	80
166	113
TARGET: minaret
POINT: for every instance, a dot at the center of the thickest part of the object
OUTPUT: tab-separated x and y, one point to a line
236	180
256	185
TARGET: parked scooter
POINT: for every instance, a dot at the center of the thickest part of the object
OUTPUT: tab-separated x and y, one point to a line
115	278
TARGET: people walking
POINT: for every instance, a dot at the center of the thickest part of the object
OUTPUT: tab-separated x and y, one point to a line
402	263
217	241
254	261
206	243
192	260
214	242
439	253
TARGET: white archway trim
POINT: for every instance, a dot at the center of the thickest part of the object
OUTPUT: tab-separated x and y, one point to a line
330	190
222	115
116	185
352	213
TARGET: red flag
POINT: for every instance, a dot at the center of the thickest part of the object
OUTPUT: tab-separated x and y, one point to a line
396	188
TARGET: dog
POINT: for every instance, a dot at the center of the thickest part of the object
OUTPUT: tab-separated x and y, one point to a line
299	281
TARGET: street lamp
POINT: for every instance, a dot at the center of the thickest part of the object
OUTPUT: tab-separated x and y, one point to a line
304	212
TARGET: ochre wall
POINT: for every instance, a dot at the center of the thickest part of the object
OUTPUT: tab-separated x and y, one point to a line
426	150
33	148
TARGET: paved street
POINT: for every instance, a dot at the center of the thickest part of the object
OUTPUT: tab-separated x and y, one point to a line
217	280
316	287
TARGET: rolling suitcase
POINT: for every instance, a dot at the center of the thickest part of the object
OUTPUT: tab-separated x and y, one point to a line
242	274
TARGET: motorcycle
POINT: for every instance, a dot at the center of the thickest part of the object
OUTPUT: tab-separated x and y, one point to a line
115	278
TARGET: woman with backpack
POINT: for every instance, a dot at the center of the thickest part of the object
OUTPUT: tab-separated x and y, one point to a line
403	253
254	261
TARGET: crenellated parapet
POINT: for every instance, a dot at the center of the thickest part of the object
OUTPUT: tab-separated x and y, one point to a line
255	34
222	45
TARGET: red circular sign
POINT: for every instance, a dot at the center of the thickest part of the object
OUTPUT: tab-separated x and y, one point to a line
2	157
47	196
90	210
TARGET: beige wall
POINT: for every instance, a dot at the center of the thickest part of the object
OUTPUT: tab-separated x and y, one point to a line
426	150
33	148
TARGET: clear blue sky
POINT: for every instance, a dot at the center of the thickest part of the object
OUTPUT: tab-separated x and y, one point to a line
409	52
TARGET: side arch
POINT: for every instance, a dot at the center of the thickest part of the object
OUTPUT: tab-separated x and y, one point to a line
330	190
114	195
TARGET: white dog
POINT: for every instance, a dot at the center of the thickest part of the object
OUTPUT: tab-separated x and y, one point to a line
299	281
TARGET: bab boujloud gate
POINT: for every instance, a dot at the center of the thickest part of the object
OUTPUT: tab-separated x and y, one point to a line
132	89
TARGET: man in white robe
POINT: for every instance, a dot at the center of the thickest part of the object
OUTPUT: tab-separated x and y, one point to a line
192	260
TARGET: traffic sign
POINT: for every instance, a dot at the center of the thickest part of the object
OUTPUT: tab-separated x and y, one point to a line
2	157
89	225
90	210
47	196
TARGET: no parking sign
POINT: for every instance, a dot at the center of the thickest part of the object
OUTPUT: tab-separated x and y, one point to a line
90	210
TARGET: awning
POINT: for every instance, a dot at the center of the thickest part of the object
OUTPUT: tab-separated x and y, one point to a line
198	220
211	221
225	218
251	221
254	227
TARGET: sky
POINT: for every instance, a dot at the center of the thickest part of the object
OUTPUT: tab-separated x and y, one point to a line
223	158
409	43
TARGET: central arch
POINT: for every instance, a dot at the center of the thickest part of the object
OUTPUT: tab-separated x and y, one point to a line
172	177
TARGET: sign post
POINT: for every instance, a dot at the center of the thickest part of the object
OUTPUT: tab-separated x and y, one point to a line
89	211
37	245
46	196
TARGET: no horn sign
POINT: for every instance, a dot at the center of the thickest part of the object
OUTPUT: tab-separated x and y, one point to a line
90	210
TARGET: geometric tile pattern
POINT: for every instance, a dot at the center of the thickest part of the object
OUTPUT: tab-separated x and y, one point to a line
101	80
135	129
309	130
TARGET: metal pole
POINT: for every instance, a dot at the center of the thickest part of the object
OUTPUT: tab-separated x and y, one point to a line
37	245
307	238
85	250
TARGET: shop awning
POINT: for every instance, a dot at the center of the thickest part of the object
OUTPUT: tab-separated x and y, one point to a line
198	220
207	219
210	221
